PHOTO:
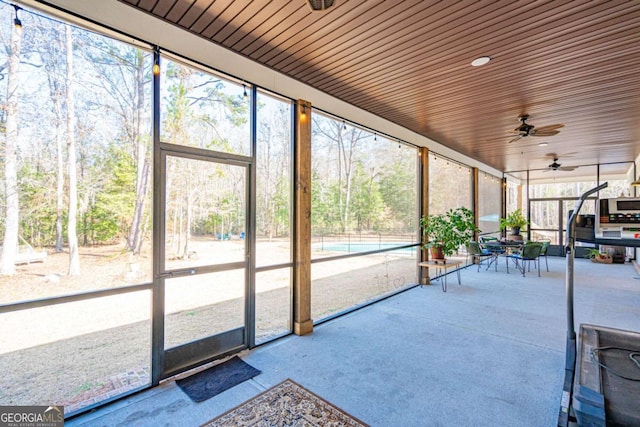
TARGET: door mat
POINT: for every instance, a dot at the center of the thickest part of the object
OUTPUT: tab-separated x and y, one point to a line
285	405
215	380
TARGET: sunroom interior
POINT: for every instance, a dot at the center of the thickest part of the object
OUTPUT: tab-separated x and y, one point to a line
208	178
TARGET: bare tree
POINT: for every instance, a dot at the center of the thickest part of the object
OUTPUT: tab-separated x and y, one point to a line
346	142
123	75
272	169
143	163
12	213
74	256
53	49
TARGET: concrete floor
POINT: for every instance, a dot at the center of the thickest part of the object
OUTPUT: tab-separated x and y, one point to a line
487	353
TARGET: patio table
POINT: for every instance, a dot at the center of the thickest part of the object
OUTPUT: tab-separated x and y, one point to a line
502	247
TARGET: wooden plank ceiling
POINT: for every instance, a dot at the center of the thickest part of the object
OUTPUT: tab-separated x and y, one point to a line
575	63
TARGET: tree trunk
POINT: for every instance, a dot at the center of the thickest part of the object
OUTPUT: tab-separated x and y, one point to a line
12	210
74	256
51	57
60	182
187	232
142	166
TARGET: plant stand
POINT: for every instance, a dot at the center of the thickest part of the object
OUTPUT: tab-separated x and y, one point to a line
441	270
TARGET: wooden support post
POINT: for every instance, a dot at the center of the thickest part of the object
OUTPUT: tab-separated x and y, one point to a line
424	208
475	185
503	201
302	323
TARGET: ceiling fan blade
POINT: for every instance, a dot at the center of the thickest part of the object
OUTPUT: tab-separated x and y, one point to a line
550	127
515	139
561	168
497	138
556	155
545	132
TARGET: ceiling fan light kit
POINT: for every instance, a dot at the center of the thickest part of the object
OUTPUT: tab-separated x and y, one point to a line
319	5
525	129
555	166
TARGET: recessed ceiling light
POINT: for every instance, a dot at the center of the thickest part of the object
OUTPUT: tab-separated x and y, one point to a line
543	144
480	61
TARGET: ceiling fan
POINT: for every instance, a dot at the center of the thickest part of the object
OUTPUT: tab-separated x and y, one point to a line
555	166
525	129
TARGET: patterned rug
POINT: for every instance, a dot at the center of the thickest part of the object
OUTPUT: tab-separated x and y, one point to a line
285	405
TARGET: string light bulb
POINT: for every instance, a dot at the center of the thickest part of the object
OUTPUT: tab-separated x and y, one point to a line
344	125
156	62
16	21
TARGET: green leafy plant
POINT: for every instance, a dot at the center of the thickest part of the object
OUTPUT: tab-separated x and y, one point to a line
592	253
596	255
448	231
513	220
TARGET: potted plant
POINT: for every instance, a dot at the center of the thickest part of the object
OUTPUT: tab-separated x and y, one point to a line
515	221
595	255
443	234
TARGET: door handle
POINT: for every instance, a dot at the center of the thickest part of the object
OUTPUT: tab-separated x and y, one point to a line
176	273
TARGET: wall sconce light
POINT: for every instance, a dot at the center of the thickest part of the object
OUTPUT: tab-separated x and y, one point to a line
244	92
303	113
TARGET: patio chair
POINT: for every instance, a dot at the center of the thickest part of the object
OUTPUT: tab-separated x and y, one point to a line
543	251
478	254
530	252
